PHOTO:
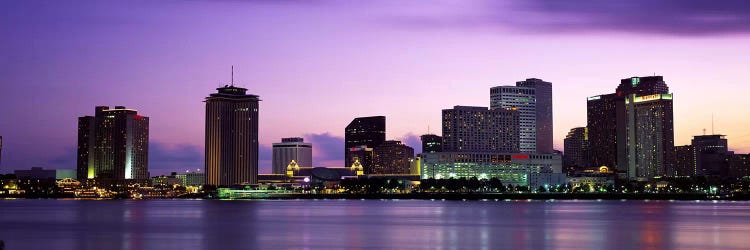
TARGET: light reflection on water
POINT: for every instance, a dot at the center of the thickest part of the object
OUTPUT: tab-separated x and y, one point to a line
404	224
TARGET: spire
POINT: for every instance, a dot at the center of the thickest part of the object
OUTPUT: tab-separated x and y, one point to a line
232	81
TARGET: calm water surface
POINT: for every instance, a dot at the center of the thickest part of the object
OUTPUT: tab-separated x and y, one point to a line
373	224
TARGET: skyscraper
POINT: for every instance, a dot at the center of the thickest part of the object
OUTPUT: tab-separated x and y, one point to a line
478	129
684	161
363	131
231	137
533	100
431	143
576	150
632	129
113	145
391	157
290	149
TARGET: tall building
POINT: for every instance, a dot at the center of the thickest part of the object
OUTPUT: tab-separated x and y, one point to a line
739	165
650	135
231	137
684	161
478	129
632	129
712	155
533	100
602	122
431	143
291	149
576	145
113	145
1	151
363	131
391	157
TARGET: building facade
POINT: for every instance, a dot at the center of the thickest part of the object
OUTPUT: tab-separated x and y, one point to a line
510	168
231	137
391	157
712	155
478	129
739	165
290	149
363	131
684	161
650	135
576	145
533	100
113	145
602	120
431	143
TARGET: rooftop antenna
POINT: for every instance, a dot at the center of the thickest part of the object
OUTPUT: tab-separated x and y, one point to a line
428	129
232	82
712	124
704	131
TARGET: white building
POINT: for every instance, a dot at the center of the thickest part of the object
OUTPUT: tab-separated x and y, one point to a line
510	168
533	100
291	149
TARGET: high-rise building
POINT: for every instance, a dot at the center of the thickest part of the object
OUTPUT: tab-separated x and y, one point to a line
478	129
650	135
684	161
431	143
739	165
576	145
363	131
290	149
391	157
712	155
533	100
632	129
1	151
231	137
113	145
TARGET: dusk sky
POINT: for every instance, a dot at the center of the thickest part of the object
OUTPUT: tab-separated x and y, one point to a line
318	64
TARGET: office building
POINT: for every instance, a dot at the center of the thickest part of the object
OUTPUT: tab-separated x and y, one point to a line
191	179
113	145
684	161
533	100
291	149
510	168
363	131
362	156
231	137
602	122
431	143
391	157
739	165
712	155
576	145
478	129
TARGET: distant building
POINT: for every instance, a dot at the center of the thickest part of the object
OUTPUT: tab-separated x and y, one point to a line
291	149
478	129
363	131
431	143
391	157
712	155
191	179
576	145
684	161
739	165
602	126
36	173
533	100
113	145
362	154
510	168
231	137
1	152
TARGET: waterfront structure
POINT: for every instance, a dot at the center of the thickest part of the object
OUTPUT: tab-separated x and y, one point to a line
510	168
231	137
684	161
739	165
113	145
712	155
576	145
533	100
391	157
632	130
191	179
363	131
478	129
431	143
289	149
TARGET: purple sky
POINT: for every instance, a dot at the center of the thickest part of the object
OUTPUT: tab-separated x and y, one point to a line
319	64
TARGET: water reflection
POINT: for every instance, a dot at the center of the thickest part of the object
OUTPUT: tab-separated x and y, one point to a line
357	224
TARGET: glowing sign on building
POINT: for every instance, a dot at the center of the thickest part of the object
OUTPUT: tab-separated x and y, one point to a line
635	80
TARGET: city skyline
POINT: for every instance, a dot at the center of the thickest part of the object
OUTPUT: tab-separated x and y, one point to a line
168	82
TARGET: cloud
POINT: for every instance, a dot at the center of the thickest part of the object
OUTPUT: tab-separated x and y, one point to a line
328	150
67	160
663	17
413	141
